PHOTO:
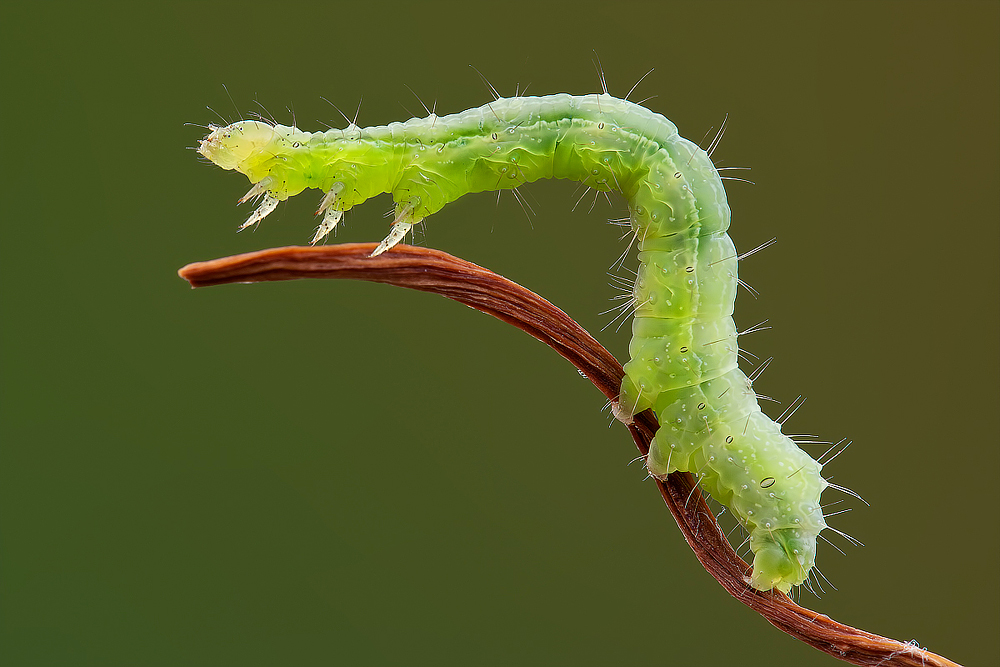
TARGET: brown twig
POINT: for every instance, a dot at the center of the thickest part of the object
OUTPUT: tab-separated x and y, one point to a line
434	271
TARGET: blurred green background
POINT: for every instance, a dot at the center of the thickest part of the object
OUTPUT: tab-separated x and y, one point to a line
312	473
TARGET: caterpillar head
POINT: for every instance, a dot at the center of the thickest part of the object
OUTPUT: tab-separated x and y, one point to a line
232	145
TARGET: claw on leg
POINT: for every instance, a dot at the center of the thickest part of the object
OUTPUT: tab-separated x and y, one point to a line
400	227
396	234
259	188
330	220
265	208
331	216
330	198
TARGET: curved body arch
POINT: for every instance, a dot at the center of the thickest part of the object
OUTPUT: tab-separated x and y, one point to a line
684	347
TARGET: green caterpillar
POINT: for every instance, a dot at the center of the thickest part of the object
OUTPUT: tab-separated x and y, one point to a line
684	348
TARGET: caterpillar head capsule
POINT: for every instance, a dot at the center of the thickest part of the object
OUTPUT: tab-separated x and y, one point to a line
282	161
232	145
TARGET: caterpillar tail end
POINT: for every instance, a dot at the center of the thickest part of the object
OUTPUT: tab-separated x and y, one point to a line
770	569
783	561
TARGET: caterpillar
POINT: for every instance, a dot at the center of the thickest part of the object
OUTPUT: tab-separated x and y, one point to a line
683	352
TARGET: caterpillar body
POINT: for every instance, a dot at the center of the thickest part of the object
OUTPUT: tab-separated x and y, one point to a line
684	346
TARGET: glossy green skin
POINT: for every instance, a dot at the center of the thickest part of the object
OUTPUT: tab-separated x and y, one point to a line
683	351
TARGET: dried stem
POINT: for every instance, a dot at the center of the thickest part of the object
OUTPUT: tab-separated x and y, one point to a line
434	271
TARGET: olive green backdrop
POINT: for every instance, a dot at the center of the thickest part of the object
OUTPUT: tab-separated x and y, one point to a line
326	473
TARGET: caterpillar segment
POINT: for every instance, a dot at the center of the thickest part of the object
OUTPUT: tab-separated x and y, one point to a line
683	353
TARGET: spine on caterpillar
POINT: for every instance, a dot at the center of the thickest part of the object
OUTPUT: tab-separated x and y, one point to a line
684	346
